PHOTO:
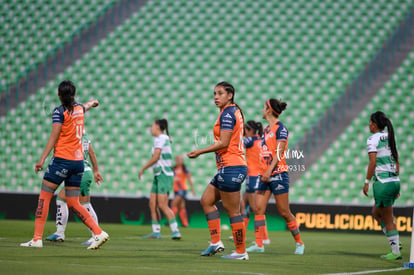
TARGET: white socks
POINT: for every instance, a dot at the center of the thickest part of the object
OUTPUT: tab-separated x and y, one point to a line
62	215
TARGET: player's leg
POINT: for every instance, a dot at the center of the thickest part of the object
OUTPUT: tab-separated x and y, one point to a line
175	203
72	191
230	194
62	215
392	234
244	208
210	196
385	196
261	200
85	199
162	203
165	185
42	211
282	203
182	208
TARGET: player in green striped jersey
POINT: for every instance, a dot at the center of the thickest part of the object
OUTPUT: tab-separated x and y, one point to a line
161	163
383	168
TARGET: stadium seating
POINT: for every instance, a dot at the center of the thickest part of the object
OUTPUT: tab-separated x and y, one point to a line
165	60
30	29
338	176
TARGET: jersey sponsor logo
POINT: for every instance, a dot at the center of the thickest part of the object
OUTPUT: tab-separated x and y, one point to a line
279	187
228	115
227	121
63	173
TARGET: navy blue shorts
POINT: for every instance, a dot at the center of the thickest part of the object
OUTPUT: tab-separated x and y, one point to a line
181	193
230	178
60	170
278	184
251	184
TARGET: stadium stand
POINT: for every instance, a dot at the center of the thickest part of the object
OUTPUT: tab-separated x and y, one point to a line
164	62
29	30
338	176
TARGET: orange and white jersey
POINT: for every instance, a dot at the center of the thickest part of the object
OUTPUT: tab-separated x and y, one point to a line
69	144
253	149
230	119
271	135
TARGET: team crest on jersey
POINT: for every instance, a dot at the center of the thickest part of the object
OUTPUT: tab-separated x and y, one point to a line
271	135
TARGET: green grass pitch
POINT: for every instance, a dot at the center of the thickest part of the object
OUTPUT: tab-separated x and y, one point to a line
127	253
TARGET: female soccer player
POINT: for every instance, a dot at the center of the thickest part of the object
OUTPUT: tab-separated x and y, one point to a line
232	170
181	175
62	211
384	167
66	165
274	175
253	132
161	162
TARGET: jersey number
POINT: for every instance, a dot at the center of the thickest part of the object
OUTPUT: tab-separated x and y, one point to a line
79	132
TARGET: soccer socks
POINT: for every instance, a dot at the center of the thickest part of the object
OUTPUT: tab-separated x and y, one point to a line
156	228
72	199
89	207
394	241
259	228
383	228
294	229
239	233
42	211
213	221
173	225
184	217
62	215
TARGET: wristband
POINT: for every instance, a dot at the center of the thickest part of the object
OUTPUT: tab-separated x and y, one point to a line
366	181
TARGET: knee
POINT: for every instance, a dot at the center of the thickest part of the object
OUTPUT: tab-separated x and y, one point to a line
259	210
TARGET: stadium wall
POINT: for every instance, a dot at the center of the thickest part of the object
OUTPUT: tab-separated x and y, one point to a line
135	211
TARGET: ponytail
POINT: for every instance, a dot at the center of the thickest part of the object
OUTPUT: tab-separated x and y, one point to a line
391	139
66	92
256	126
276	106
382	121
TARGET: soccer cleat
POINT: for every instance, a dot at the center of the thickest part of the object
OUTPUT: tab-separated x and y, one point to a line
176	235
392	256
33	243
236	256
300	249
213	249
88	242
153	235
55	238
99	240
255	248
267	241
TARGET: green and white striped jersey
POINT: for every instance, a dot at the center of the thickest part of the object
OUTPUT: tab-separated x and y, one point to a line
386	168
164	164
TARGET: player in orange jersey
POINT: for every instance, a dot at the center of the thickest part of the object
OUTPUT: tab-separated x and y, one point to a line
232	170
181	176
252	142
66	165
274	176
